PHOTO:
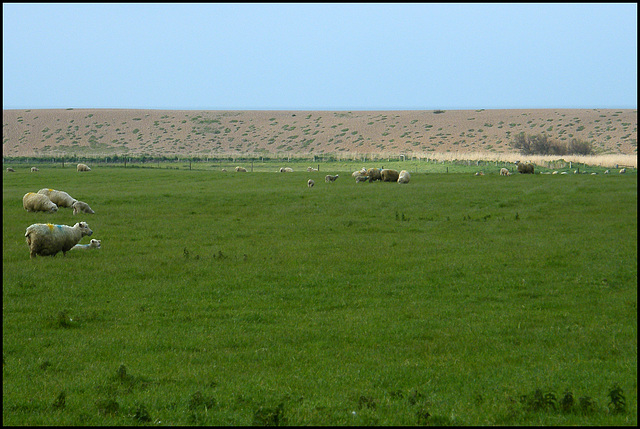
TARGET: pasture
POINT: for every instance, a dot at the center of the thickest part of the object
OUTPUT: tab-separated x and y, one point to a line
248	298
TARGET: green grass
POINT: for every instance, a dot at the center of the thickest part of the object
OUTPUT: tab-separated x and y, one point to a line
232	299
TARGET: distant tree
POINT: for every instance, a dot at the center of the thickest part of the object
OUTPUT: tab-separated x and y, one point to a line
540	144
580	147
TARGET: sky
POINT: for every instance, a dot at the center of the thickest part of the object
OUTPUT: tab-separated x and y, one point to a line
319	56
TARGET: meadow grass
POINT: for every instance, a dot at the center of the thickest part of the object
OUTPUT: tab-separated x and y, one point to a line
229	298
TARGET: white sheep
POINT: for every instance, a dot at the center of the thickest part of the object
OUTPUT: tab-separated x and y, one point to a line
504	172
404	177
10	170
33	202
241	169
60	198
286	170
83	167
622	171
311	169
81	207
606	171
46	239
34	169
93	244
361	172
361	178
329	178
310	183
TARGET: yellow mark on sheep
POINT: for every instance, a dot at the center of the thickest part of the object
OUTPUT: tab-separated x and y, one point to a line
50	225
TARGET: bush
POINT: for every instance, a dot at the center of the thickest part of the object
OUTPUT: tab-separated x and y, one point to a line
540	144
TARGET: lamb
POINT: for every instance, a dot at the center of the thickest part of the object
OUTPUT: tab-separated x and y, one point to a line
310	183
622	171
329	178
93	244
241	169
524	168
10	170
60	198
389	175
286	170
81	207
46	239
374	174
34	169
361	172
311	169
404	177
83	167
33	202
361	179
504	172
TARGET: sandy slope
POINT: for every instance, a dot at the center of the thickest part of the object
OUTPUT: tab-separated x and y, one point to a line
85	132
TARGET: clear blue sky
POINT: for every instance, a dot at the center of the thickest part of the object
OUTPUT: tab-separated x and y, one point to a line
326	56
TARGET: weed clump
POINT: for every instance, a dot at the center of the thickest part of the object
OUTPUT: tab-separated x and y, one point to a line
270	416
618	402
142	415
60	401
108	407
366	402
539	401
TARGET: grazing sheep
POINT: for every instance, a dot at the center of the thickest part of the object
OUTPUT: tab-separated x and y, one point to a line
311	169
374	174
46	239
10	170
93	244
555	172
33	202
81	207
624	170
286	170
329	178
504	172
83	167
60	198
606	171
524	168
404	177
241	169
34	169
361	179
564	172
387	175
310	183
361	172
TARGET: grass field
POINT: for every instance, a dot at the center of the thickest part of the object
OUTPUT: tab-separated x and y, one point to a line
237	299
